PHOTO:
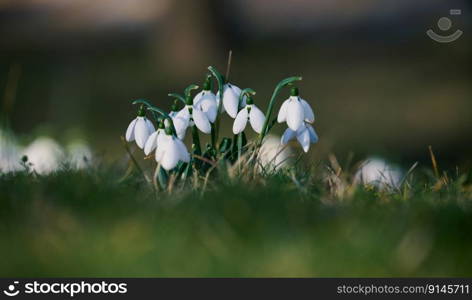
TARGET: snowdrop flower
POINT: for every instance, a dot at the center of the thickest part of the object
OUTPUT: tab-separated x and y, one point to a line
231	95
79	155
10	152
140	129
379	173
305	135
206	102
171	150
295	111
155	139
253	114
191	115
45	154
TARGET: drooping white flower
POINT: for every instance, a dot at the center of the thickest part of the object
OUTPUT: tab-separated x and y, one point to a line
305	135
295	111
45	155
206	102
140	129
188	116
79	154
231	95
154	140
170	151
253	114
378	172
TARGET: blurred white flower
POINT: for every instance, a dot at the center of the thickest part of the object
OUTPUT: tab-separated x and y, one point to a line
272	155
378	172
305	135
170	151
10	153
139	129
253	114
79	154
295	111
45	155
231	95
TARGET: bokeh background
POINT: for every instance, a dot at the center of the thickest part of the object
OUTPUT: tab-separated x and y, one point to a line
378	84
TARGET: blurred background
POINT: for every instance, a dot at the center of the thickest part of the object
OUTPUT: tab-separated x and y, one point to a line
378	84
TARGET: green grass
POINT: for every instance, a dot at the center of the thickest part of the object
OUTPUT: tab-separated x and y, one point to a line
89	223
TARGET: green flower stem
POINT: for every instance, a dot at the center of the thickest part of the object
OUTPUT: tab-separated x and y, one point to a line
177	96
147	104
268	114
219	79
189	89
213	136
240	144
197	149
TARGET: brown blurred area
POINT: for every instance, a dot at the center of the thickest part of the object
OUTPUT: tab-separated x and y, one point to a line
377	83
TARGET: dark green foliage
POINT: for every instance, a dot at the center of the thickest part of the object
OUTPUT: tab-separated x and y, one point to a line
88	223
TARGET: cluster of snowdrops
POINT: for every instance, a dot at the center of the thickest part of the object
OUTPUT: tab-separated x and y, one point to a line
201	114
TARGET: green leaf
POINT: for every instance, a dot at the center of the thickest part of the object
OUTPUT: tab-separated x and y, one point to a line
225	145
162	177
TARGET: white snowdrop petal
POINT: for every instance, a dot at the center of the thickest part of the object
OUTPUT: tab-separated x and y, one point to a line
184	155
159	154
287	136
150	125
208	106
235	88
295	115
141	132
161	136
180	125
240	121
256	118
171	155
183	114
198	97
303	138
230	102
282	116
130	131
201	121
162	147
313	135
151	143
309	115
